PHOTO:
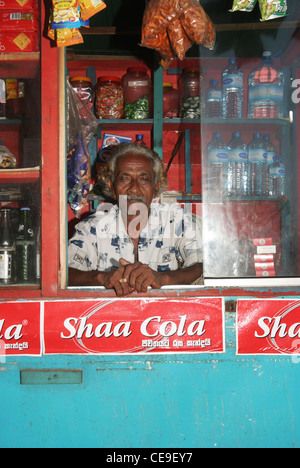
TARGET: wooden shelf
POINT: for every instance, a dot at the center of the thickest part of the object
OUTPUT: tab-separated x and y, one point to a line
136	125
20	176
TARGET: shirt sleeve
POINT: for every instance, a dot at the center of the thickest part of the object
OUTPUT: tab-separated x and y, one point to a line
189	243
82	251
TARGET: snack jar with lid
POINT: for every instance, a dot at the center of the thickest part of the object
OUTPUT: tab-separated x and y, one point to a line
84	89
109	101
189	93
137	93
170	101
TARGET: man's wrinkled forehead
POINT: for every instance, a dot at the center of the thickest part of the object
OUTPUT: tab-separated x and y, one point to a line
133	163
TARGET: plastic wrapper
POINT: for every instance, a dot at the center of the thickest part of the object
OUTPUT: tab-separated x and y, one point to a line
7	159
179	40
172	26
66	14
157	16
273	9
89	8
81	127
243	5
197	24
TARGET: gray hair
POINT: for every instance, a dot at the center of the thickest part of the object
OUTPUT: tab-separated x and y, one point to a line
123	149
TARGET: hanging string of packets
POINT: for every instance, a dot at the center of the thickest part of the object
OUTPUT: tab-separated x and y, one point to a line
270	9
68	16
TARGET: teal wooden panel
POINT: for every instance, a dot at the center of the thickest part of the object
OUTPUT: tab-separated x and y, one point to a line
175	401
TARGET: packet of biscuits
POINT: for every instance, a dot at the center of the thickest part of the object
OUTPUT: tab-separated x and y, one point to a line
243	5
272	9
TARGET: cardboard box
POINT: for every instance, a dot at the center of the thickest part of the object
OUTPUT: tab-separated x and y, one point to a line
19	5
16	41
19	21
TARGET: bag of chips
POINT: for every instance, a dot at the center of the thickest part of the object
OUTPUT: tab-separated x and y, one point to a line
179	40
243	5
272	9
197	24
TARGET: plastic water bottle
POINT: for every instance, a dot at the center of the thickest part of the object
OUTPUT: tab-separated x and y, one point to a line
257	154
218	154
238	167
213	100
265	90
277	179
271	154
140	140
232	87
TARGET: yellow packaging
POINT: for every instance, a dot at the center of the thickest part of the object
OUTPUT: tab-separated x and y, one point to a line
67	37
89	8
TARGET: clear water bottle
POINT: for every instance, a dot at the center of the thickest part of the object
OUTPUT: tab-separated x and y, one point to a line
265	90
238	167
232	87
7	248
213	105
217	171
140	140
257	154
277	179
25	246
271	154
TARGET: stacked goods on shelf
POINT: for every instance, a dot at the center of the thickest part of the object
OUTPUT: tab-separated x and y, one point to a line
19	26
265	91
264	257
238	170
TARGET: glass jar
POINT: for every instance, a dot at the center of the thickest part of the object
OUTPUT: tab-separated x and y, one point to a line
84	89
137	93
189	94
109	101
170	101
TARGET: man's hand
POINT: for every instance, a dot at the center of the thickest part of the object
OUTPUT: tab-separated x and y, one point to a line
139	276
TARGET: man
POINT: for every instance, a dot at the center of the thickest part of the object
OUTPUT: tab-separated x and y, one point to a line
136	243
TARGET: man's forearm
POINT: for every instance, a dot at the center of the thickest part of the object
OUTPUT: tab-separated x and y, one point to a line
85	278
182	276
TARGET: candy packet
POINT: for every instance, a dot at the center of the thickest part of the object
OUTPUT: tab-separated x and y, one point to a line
89	8
66	14
243	5
272	9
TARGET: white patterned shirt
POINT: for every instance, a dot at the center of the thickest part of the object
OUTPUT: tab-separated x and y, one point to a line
172	237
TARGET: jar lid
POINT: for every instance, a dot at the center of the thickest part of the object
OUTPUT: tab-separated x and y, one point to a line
137	69
80	78
110	78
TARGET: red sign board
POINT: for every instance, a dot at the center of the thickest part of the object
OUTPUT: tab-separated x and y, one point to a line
20	329
133	326
268	327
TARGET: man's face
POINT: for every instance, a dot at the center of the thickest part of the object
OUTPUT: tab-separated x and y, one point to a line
134	178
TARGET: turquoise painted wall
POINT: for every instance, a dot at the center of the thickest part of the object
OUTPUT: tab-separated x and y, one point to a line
180	401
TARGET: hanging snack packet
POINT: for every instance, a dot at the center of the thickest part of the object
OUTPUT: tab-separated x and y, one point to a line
178	38
89	8
157	16
66	14
68	37
243	5
197	24
272	9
